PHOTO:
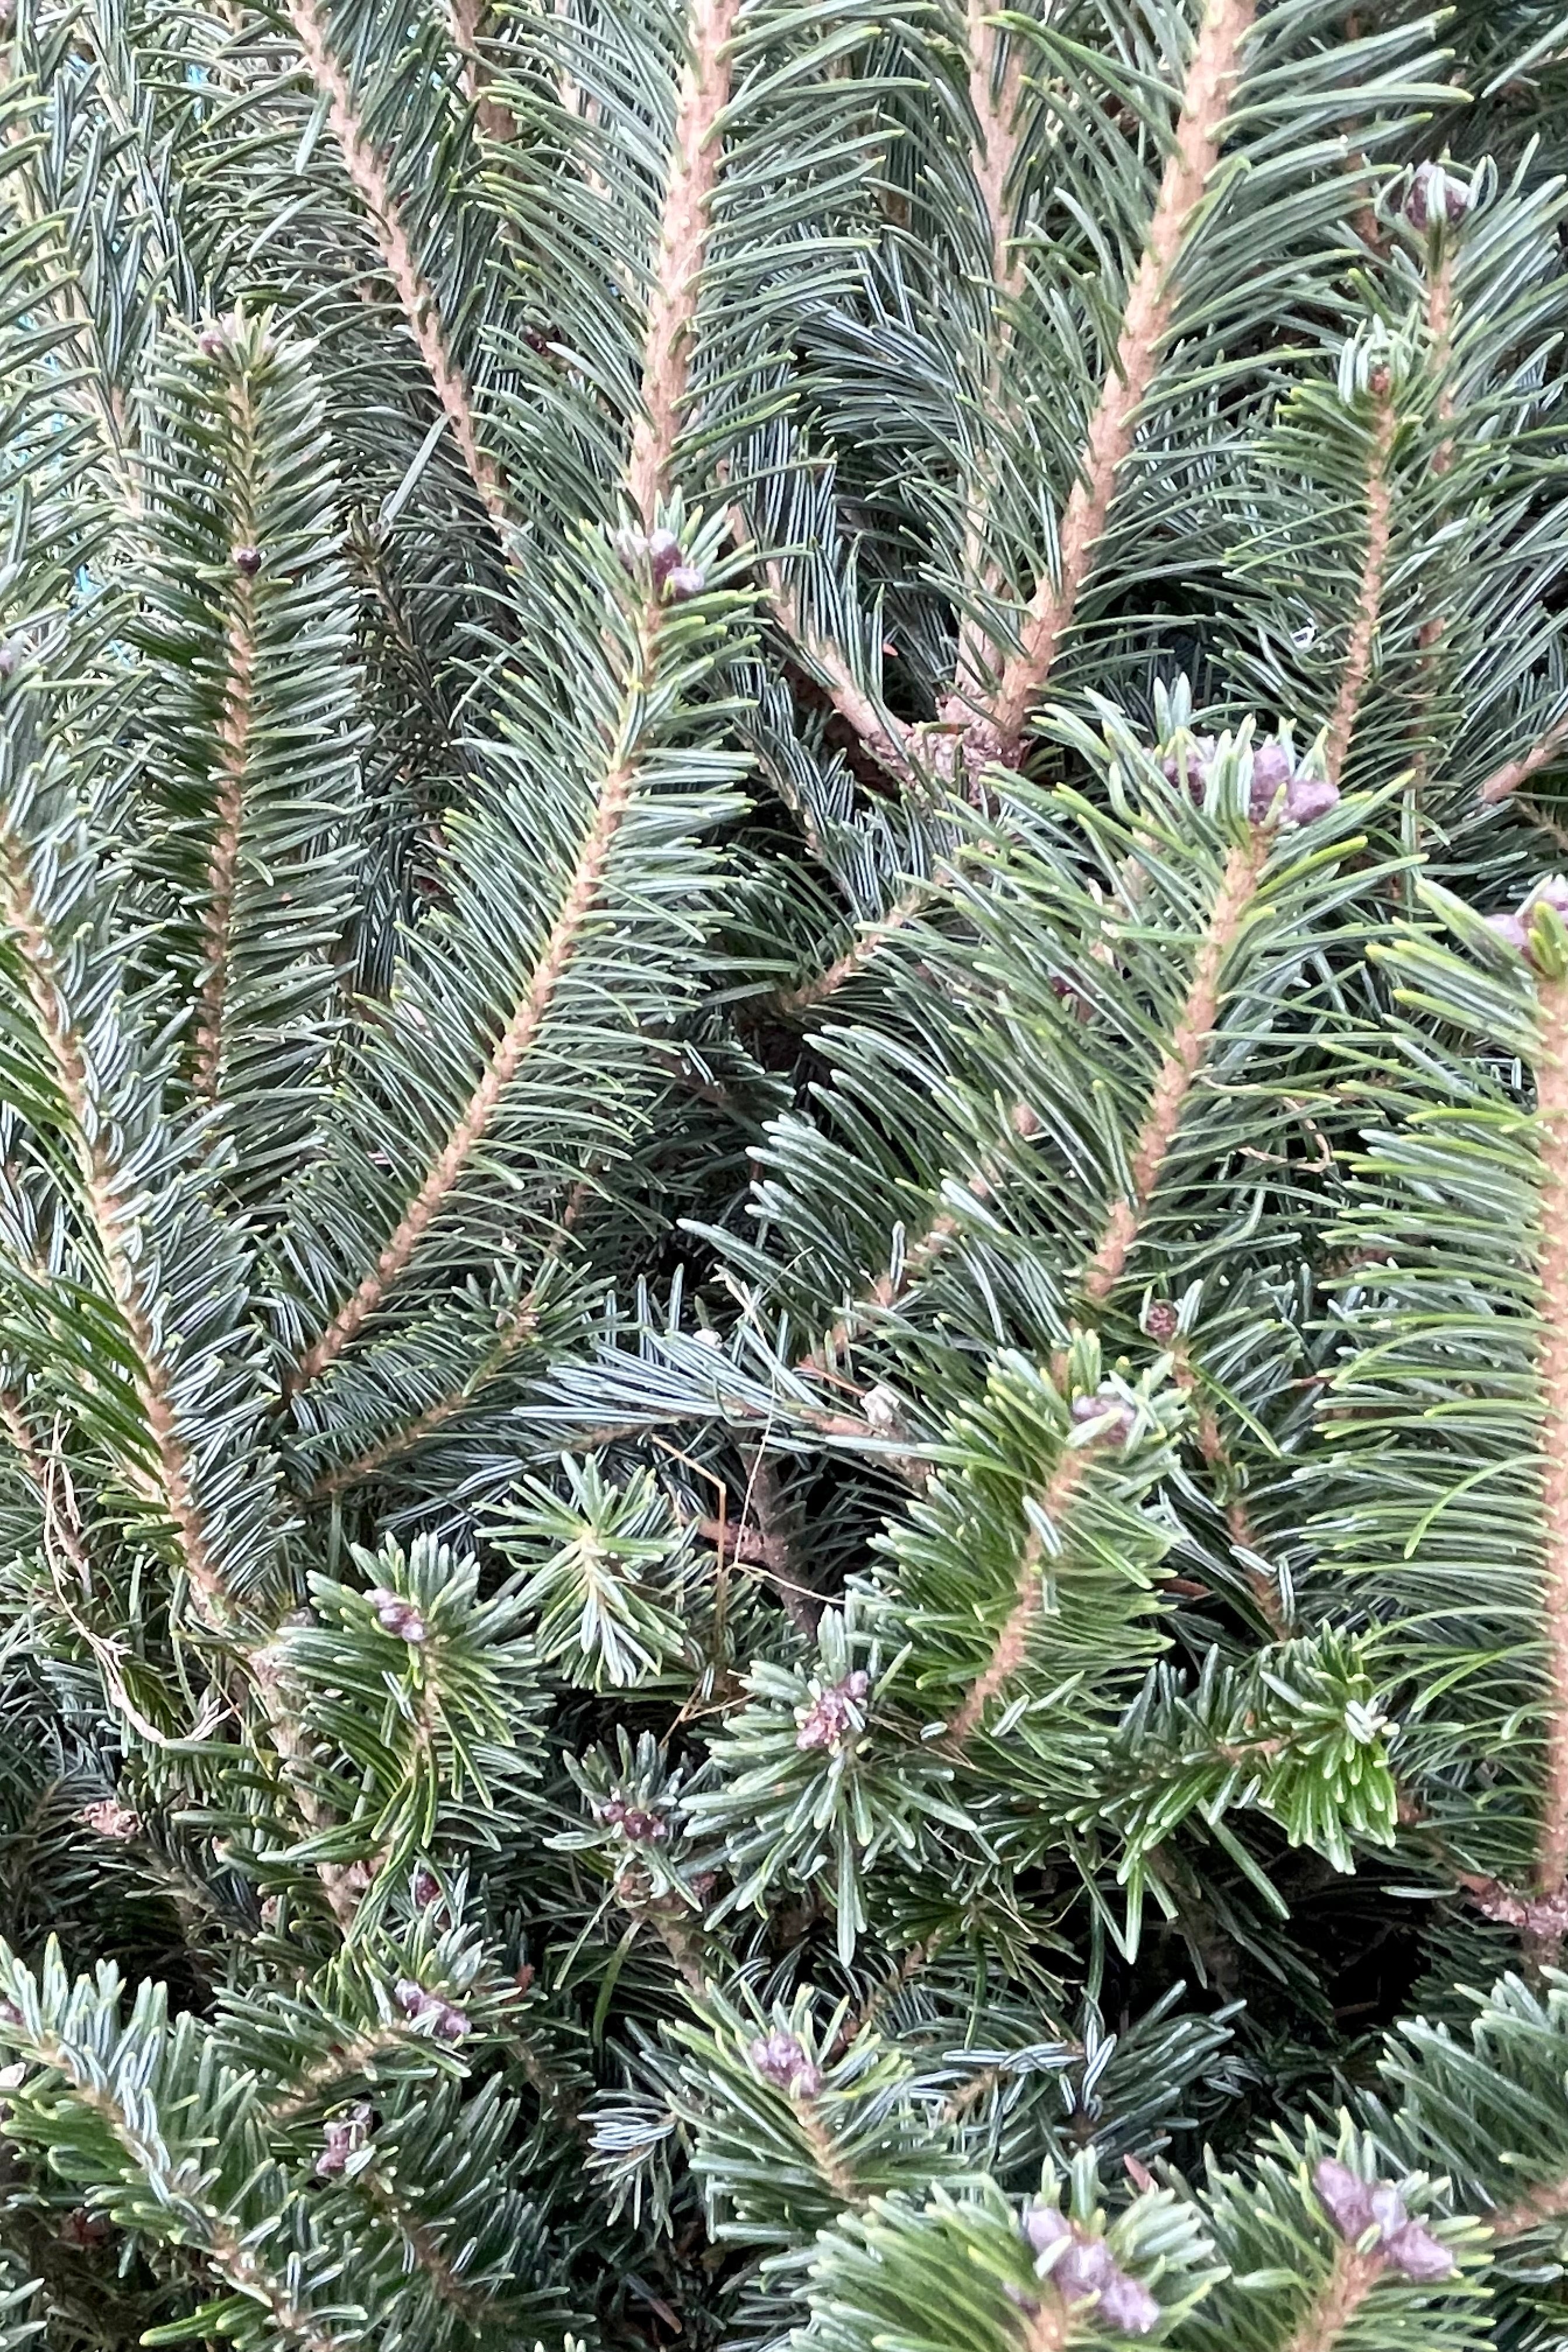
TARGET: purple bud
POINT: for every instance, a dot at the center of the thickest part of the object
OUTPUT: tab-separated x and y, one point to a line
425	1888
829	1718
1127	2306
1272	769
1552	892
639	1823
684	581
1083	2269
1161	1321
1345	2197
1043	2226
631	547
1434	195
1107	1407
1311	797
1510	931
248	560
396	1615
780	2059
422	2007
212	343
340	2136
1416	2253
1387	2207
663	553
1195	759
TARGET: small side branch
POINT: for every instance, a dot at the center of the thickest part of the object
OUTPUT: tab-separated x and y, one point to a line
1012	1644
682	254
1182	1063
1145	328
415	294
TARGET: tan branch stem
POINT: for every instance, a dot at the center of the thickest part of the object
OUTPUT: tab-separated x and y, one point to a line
234	739
1216	1457
1549	2202
495	120
1337	2301
415	294
1373	579
682	253
1514	772
1182	1061
995	96
1146	326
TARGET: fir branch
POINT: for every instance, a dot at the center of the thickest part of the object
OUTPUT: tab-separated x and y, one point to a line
1145	326
513	1332
684	231
422	2244
1216	1457
877	732
917	1260
1011	1646
368	173
1182	1060
111	1215
811	992
616	796
1373	574
1552	1377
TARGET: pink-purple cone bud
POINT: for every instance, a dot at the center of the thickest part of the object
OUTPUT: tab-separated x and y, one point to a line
248	560
340	2136
396	1615
1273	770
1355	2206
1161	1320
1416	2253
1435	194
1510	931
1126	2304
638	1822
1196	758
109	1819
422	2007
1106	1406
1311	797
212	343
830	1717
783	2061
1043	2226
686	580
663	553
1083	2267
1345	2197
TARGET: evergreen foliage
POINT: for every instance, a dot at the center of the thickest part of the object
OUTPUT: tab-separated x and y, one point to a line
783	1193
